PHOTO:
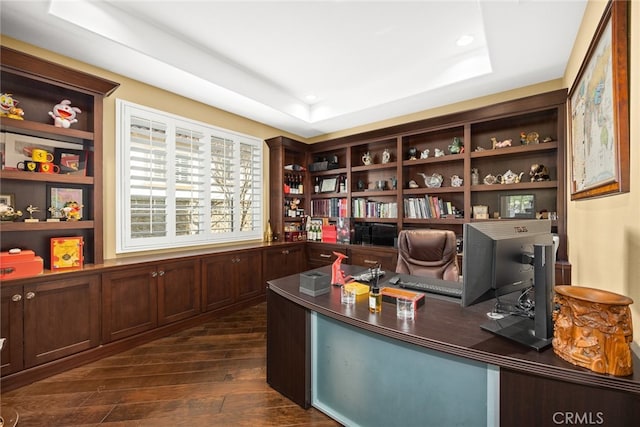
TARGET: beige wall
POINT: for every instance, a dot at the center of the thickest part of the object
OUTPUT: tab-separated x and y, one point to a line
604	233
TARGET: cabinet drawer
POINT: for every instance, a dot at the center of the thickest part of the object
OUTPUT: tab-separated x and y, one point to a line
369	257
319	255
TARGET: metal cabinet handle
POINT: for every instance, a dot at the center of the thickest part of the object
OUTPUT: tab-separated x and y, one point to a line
161	273
368	261
285	252
16	298
30	295
154	274
325	256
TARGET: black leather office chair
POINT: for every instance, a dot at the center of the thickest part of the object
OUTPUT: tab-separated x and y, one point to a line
428	252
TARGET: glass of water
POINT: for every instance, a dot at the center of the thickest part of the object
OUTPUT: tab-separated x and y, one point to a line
347	295
405	308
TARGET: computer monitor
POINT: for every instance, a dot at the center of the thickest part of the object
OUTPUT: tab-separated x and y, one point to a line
506	257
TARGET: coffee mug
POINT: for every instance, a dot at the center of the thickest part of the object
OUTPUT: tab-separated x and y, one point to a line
28	166
41	156
48	167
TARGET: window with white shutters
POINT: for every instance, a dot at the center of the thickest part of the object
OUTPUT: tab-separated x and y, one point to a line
183	183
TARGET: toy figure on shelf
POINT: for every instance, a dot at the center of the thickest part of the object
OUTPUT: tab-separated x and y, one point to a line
457	147
500	144
337	275
8	213
64	115
8	107
539	173
32	209
72	211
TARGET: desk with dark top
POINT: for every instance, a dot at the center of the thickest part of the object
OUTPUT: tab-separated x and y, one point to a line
374	369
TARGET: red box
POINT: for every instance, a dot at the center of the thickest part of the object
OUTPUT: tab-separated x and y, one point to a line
20	265
329	234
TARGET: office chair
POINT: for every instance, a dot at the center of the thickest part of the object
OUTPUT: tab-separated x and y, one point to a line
428	252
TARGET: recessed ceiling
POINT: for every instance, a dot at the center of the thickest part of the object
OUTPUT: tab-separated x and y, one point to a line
311	67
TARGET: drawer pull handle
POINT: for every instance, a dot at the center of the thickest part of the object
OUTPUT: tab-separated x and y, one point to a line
30	295
16	298
368	261
325	256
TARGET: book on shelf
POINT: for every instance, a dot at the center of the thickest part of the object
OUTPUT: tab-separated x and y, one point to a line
427	207
66	252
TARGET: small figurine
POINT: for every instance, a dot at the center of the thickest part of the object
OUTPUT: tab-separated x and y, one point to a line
413	184
8	107
64	115
337	275
394	183
424	154
367	159
547	139
495	144
539	173
386	156
438	152
457	146
31	209
72	211
8	213
413	153
456	181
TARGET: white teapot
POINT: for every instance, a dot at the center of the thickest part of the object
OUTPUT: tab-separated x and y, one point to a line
510	177
432	181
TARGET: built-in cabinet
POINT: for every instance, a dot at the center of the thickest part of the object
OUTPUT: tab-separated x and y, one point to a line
419	174
231	277
283	261
48	320
38	86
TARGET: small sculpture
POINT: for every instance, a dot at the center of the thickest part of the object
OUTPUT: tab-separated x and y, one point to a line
394	183
8	213
500	144
475	176
438	152
413	153
63	114
491	179
9	107
386	156
413	184
539	173
367	159
523	138
456	181
361	185
424	154
547	139
457	146
72	210
31	209
433	181
337	275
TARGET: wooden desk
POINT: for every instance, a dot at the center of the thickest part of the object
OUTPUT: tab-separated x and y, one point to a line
535	388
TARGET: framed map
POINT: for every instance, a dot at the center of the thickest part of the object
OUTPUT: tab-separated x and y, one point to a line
599	105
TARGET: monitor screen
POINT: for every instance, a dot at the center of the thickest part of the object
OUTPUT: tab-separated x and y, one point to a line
497	257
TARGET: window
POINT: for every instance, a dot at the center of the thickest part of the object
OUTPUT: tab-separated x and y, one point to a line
183	183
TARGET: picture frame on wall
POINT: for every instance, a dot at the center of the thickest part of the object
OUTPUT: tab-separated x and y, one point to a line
599	110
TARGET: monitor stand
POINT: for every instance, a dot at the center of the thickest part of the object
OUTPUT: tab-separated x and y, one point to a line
536	333
519	329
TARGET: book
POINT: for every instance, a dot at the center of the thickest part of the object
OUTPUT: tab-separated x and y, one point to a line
66	252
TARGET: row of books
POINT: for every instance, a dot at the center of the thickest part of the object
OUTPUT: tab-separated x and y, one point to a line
334	207
363	208
427	207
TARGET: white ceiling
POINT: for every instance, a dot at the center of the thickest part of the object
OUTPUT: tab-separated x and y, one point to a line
364	61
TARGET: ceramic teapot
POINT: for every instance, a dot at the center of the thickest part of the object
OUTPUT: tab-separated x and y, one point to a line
432	181
367	159
491	179
456	181
510	177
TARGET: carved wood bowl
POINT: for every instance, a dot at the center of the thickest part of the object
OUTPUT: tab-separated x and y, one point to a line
593	329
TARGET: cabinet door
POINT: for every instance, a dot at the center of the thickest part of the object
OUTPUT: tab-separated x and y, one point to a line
129	303
217	282
282	261
61	317
178	291
369	257
248	281
11	313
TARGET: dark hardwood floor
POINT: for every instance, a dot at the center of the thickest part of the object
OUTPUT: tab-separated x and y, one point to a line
210	375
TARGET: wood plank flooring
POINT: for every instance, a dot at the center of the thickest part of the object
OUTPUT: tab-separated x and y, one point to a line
210	375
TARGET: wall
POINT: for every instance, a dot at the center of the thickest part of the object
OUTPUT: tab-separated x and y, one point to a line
604	233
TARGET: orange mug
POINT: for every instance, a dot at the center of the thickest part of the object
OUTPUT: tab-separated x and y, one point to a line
27	166
41	156
48	167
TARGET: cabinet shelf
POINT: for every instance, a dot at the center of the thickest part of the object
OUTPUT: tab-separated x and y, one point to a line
46	226
46	177
336	171
441	159
449	221
374	219
437	190
518	186
44	130
368	168
364	194
329	195
521	149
